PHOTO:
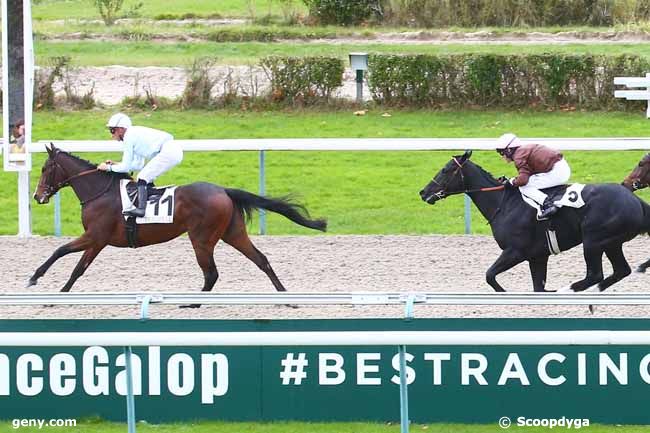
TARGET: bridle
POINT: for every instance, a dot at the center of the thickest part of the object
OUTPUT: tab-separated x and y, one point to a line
459	170
50	189
636	185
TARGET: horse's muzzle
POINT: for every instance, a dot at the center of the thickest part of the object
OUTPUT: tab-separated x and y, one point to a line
431	197
43	200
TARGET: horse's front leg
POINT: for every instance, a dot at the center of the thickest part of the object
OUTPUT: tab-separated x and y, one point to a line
77	245
508	259
538	267
85	261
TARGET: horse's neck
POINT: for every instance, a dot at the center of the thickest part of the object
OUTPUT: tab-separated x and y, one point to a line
89	186
487	202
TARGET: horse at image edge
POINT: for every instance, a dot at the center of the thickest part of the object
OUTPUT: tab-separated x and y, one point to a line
612	215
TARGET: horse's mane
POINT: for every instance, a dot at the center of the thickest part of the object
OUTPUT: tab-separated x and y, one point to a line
485	174
90	165
87	163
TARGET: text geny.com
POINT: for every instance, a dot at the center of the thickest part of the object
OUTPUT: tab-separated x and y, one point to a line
40	423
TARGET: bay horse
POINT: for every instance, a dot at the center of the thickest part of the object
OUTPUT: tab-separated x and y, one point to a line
611	216
639	178
205	211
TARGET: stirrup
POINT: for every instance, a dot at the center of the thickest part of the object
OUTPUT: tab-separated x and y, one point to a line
547	212
137	212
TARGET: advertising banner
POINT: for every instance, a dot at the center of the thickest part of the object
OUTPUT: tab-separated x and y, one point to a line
481	384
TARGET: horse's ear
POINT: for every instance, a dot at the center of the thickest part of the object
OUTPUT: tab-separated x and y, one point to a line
467	155
49	148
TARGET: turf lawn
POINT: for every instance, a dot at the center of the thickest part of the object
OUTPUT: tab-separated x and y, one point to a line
359	192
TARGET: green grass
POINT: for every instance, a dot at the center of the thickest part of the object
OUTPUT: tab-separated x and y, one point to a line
70	9
102	53
359	192
84	29
301	427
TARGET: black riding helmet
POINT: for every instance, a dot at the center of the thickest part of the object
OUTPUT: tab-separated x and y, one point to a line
507	145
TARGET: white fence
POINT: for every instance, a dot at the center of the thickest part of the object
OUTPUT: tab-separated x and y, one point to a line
352	144
327	144
333	298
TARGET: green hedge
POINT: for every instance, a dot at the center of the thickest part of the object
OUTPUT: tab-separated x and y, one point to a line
509	81
500	13
477	13
343	12
303	80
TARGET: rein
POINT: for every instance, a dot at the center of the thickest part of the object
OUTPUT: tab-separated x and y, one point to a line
486	189
459	170
53	189
66	182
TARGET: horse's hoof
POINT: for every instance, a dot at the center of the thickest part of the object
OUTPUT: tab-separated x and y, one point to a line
640	270
190	306
30	283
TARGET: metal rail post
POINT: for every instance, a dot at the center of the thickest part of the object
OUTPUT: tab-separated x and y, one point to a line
262	192
57	215
130	399
403	385
468	215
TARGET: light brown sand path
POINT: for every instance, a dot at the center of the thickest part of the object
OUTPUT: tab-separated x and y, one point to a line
314	264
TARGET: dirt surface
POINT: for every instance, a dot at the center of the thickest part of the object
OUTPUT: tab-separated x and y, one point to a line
315	264
111	84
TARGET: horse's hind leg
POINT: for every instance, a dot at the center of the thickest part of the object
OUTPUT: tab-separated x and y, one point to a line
538	269
239	240
594	260
85	261
205	257
75	246
204	253
621	268
643	266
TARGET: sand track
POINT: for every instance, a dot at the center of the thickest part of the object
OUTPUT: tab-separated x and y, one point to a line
306	264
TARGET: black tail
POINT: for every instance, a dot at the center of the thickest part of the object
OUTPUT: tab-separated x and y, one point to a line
297	213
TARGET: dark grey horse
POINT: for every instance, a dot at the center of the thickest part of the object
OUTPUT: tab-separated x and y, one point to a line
611	216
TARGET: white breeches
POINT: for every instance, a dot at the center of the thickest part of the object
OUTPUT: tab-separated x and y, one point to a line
559	174
170	155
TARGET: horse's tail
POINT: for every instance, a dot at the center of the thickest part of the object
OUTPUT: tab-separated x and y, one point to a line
248	202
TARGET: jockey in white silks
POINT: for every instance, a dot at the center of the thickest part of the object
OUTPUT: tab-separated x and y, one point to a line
141	144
